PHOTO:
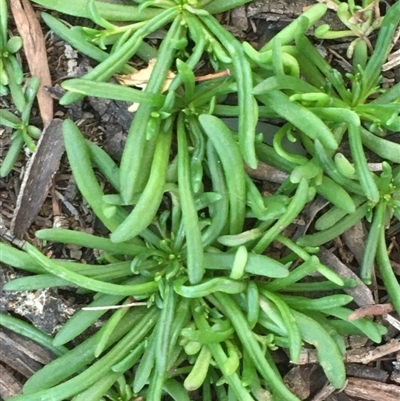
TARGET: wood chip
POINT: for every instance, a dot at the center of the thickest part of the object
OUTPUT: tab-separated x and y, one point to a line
393	321
9	385
362	294
372	390
366	372
14	353
355	238
298	381
40	169
394	61
395	376
381	351
35	51
265	172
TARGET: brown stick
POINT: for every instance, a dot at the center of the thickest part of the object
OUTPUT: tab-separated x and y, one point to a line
35	51
372	390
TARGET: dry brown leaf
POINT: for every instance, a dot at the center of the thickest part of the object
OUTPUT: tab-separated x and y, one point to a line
360	16
35	51
330	4
140	79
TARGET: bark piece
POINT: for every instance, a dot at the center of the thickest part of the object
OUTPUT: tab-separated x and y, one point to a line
279	13
22	354
35	51
395	376
265	172
239	18
354	238
46	308
298	381
362	294
381	351
372	390
9	385
363	355
366	372
40	169
325	392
